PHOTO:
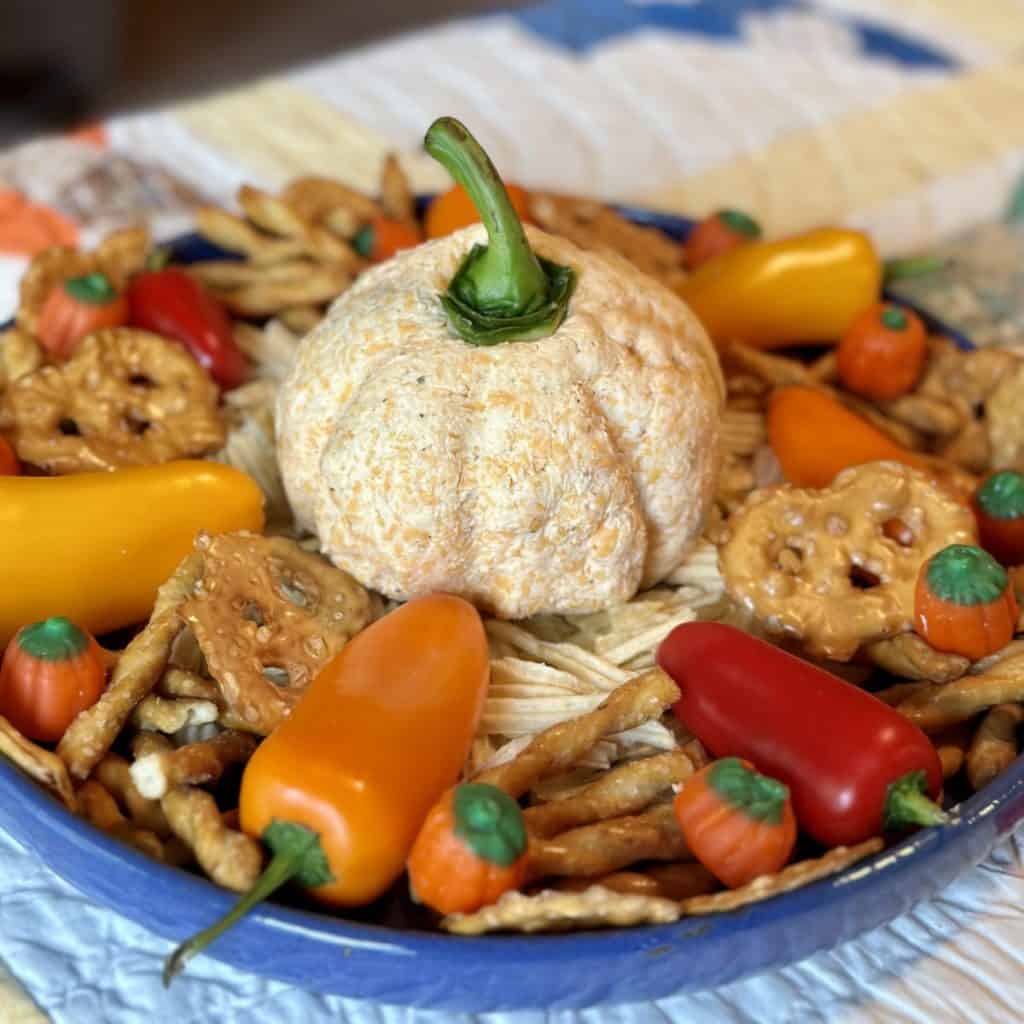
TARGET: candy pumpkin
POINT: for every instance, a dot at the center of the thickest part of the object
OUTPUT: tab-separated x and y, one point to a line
737	823
51	671
470	850
964	603
882	354
999	508
75	309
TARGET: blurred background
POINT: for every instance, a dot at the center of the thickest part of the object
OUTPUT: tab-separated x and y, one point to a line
66	61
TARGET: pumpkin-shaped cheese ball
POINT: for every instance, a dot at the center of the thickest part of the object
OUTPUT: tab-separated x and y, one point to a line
541	474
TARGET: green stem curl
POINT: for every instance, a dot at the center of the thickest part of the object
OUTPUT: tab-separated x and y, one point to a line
297	854
502	291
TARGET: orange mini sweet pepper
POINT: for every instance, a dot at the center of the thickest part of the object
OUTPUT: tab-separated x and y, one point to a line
94	547
339	791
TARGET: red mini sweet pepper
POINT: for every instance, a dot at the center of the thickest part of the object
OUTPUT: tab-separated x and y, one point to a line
854	766
172	303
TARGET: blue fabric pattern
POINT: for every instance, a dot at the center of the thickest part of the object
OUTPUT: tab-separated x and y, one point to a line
580	25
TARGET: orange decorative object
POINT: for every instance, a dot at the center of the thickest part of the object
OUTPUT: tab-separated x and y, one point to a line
738	824
27	228
339	791
381	733
964	603
470	850
382	238
814	437
51	671
998	506
454	209
883	353
718	234
75	309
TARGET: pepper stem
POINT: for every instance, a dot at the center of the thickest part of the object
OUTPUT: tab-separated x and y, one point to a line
297	854
911	266
906	804
506	278
502	291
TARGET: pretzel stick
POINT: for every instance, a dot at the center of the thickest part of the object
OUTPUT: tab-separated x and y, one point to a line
667	881
909	657
561	746
114	774
793	877
627	789
395	196
141	664
39	764
951	746
161	714
235	273
314	197
99	808
995	744
195	764
179	682
899	692
265	298
954	702
609	845
230	858
146	743
279	218
300	319
237	235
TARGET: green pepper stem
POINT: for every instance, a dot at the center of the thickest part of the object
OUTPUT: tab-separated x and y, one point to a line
506	279
906	804
297	854
281	869
912	266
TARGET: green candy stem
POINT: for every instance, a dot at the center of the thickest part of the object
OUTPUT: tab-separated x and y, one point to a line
906	804
757	796
912	266
964	575
93	289
502	291
489	822
741	223
894	318
56	639
1002	495
363	242
297	854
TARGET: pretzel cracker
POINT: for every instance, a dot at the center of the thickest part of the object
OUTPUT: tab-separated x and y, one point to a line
558	748
606	846
141	664
230	858
625	789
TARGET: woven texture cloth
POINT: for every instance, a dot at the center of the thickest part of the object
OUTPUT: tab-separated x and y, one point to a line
900	116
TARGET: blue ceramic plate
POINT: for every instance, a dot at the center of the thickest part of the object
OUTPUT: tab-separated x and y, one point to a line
436	971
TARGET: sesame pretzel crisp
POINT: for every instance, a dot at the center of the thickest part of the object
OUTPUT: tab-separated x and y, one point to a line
125	398
796	558
268	616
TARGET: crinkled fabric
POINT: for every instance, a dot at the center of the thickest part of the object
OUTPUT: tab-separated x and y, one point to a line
956	958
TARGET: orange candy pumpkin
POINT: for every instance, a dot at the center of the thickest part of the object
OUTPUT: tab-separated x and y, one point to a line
719	233
738	824
51	671
964	603
470	850
75	309
882	354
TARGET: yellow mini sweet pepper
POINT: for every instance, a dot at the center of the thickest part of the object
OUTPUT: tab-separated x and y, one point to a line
94	547
802	290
